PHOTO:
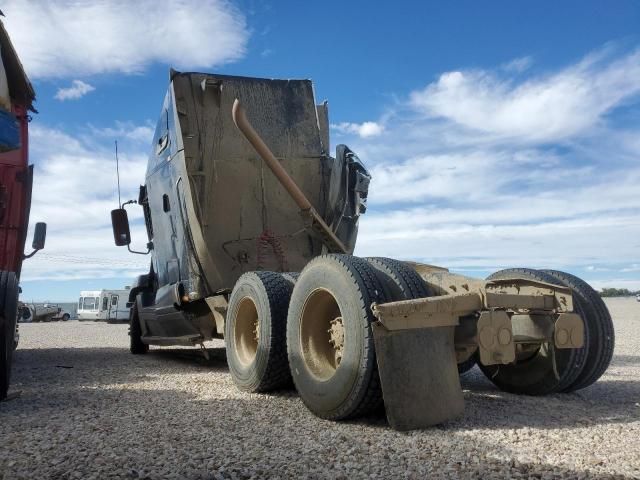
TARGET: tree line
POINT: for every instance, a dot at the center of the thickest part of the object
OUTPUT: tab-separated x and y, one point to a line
617	292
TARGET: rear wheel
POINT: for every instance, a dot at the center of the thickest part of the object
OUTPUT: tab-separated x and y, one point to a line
600	335
291	277
255	331
406	282
329	338
65	317
541	370
8	314
136	345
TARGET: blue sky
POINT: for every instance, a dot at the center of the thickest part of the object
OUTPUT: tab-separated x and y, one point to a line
499	134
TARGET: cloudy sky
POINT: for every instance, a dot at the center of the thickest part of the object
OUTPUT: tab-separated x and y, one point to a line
497	134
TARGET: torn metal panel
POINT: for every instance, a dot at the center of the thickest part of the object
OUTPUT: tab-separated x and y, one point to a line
322	111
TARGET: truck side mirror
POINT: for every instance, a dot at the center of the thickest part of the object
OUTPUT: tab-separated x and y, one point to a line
39	236
120	223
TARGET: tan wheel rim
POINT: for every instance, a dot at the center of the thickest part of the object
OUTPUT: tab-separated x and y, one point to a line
246	331
321	334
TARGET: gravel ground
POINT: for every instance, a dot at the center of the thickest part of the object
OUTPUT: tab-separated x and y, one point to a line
83	407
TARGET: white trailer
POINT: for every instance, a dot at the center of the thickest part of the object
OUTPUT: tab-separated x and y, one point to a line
104	305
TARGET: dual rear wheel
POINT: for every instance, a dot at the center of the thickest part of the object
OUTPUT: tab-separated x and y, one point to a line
316	333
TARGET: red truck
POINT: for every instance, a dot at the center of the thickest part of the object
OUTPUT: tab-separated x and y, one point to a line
16	176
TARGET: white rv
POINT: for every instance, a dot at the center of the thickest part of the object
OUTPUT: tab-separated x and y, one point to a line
105	305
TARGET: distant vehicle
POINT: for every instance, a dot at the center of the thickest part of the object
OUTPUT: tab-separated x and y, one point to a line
45	312
16	178
104	305
638	297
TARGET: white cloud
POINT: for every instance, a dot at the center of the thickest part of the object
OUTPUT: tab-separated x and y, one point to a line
69	38
78	89
74	191
518	65
363	130
128	130
542	109
484	193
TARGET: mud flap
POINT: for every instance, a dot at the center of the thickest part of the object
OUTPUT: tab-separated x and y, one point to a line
419	376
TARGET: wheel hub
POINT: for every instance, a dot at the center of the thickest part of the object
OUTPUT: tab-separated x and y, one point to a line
336	337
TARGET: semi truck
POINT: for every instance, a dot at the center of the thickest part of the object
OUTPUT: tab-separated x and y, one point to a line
16	178
251	226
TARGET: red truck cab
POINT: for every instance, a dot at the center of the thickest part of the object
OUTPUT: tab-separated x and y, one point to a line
16	176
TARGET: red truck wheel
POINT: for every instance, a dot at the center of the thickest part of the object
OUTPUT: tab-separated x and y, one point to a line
8	317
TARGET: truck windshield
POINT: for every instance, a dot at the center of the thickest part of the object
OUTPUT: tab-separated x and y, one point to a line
90	303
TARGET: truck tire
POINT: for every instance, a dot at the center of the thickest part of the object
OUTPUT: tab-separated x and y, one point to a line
598	325
329	338
65	317
136	345
406	282
9	313
255	331
468	364
535	375
291	276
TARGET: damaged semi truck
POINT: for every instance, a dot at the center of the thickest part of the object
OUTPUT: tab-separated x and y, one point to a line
251	227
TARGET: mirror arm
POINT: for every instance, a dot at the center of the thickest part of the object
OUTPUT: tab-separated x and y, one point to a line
149	245
24	257
149	248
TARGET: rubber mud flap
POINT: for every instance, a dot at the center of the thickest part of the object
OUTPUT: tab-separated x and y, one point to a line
419	376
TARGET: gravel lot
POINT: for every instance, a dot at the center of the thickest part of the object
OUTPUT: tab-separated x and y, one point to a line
83	407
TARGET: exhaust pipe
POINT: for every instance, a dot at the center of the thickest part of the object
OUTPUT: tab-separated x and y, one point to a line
240	119
316	223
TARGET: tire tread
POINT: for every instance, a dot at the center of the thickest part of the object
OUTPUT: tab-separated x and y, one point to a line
600	325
